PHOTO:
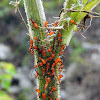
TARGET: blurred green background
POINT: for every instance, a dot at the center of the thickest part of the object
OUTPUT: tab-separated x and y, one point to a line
81	60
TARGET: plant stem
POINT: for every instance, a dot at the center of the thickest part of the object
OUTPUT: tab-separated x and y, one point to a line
34	10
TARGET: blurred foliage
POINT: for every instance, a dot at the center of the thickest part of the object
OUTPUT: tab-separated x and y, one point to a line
4	96
26	94
21	96
7	71
26	60
50	5
5	8
77	50
97	8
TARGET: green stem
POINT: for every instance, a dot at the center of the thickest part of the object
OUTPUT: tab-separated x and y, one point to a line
34	10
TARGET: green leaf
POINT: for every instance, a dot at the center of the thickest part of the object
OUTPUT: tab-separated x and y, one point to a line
4	96
4	3
84	2
6	84
91	5
8	68
7	72
5	76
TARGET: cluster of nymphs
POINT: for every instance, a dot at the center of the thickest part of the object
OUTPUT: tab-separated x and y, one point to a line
47	61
